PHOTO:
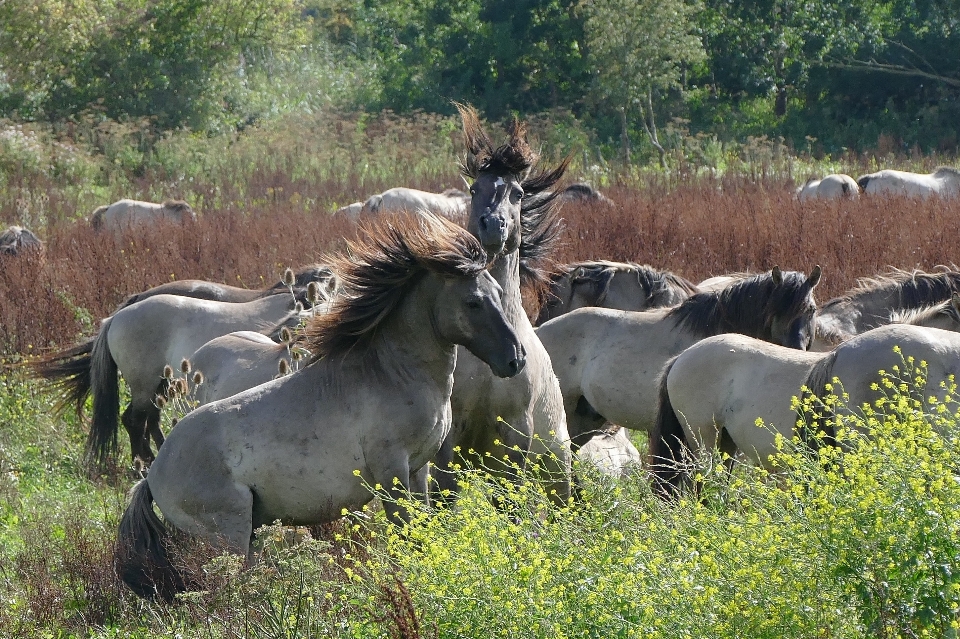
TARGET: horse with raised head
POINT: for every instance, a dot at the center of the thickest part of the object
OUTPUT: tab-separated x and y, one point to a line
372	405
125	215
835	186
608	361
873	300
513	215
943	182
619	285
138	342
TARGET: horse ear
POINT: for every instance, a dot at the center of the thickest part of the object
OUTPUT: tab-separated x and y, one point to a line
777	275
815	274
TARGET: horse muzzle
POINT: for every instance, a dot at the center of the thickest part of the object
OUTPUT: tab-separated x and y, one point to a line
513	366
492	232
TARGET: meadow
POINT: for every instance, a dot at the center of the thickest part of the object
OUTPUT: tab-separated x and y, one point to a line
863	546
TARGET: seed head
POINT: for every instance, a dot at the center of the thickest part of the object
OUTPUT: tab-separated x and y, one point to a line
284	366
296	354
288	277
298	307
182	386
197	378
160	401
285	335
167	372
185	366
313	292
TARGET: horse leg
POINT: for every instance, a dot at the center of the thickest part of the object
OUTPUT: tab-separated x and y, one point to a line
443	478
153	426
134	420
420	484
394	475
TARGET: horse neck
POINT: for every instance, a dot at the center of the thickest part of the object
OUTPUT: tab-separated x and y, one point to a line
506	270
407	343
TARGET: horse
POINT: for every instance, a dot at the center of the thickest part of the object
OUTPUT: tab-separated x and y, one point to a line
835	186
125	214
621	285
943	182
872	301
451	203
325	278
713	393
513	215
611	452
372	404
582	193
16	239
139	341
608	361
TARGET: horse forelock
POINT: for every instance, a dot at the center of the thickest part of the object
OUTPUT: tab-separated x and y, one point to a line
748	306
378	269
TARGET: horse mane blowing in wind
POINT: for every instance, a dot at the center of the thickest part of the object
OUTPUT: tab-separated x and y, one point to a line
371	406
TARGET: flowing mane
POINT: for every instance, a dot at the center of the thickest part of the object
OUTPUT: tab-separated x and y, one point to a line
539	222
918	316
377	270
655	283
914	288
746	306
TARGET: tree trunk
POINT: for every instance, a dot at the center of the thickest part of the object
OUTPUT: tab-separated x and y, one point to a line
624	137
650	126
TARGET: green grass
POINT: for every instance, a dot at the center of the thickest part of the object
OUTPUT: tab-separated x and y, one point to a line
863	544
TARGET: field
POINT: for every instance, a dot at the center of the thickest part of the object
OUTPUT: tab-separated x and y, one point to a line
866	547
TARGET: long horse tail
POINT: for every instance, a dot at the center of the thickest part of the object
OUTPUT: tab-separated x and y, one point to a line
142	557
822	420
668	441
69	372
104	424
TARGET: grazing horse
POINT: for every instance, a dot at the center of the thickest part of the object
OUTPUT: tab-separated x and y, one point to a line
611	452
713	393
620	285
513	215
325	278
138	342
608	361
872	301
943	182
124	215
451	203
371	405
582	193
835	186
16	239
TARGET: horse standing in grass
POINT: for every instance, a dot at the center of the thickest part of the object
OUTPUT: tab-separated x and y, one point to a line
125	215
608	362
138	342
512	213
372	405
620	285
712	394
871	303
835	186
943	182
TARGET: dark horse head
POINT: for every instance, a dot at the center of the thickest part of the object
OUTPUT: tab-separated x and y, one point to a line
512	204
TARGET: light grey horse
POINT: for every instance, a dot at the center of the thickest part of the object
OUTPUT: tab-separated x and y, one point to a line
835	186
943	182
372	405
625	286
608	362
516	224
124	215
138	342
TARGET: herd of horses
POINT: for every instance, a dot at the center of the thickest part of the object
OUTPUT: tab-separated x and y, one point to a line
943	182
411	353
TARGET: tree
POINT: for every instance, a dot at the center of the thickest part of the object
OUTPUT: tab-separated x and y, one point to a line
639	48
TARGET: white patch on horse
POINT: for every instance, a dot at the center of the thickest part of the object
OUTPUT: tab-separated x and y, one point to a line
499	182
